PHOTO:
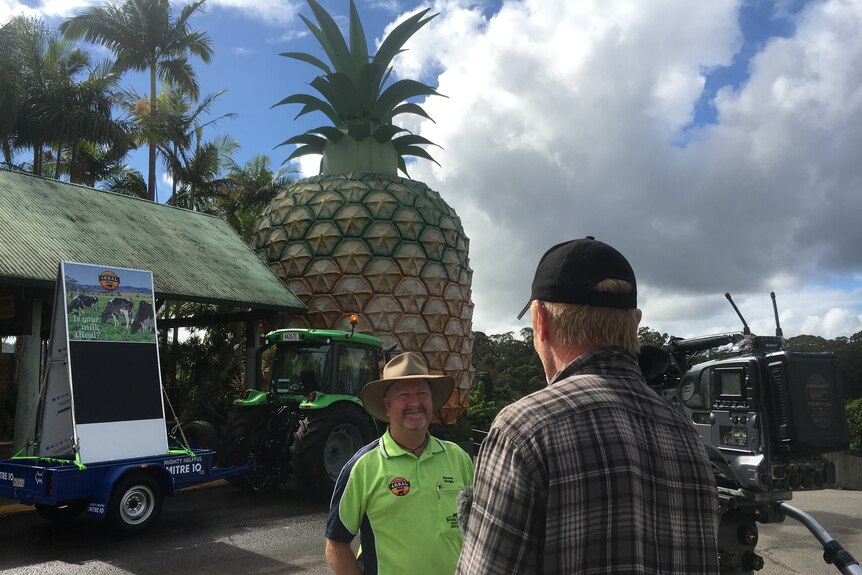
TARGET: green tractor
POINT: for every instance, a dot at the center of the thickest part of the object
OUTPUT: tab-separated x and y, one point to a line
309	420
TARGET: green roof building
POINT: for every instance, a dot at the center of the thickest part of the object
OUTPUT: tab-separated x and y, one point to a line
194	257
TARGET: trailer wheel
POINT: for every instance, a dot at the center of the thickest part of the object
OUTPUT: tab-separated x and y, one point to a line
63	512
244	437
324	442
136	501
201	435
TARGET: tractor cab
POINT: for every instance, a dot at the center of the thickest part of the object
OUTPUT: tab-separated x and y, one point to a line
302	362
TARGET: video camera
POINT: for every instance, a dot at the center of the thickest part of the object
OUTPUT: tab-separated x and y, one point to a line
766	416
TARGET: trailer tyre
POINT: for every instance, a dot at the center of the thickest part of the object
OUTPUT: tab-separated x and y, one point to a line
324	442
244	436
64	512
136	501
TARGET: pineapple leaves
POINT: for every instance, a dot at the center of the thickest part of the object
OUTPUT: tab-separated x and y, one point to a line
306	139
356	92
304	151
410	108
397	93
358	47
330	37
386	132
310	104
330	133
393	43
309	59
402	142
416	151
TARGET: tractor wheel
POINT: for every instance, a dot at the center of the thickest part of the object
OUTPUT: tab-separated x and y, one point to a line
201	435
244	436
136	501
64	512
324	442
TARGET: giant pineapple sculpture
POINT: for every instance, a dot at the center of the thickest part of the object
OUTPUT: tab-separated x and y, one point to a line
359	239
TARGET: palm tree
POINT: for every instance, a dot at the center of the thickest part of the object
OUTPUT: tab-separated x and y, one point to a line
199	175
127	181
143	37
255	186
46	68
82	115
18	37
44	103
178	126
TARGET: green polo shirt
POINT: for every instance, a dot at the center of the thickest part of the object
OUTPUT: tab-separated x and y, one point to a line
403	506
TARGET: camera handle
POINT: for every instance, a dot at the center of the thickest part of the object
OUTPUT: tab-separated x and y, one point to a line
833	552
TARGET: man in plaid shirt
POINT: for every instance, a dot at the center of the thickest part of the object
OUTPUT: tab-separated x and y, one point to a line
595	473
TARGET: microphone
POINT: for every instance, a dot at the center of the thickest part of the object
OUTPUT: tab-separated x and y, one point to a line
465	503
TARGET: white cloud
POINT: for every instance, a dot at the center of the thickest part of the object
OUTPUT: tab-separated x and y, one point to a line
281	11
10	8
309	165
242	51
560	122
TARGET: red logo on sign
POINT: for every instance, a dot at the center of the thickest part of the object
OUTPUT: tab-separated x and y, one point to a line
399	486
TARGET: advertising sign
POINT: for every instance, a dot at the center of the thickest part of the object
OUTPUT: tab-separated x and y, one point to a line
104	331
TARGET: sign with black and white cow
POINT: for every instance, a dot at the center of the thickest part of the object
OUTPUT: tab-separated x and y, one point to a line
103	397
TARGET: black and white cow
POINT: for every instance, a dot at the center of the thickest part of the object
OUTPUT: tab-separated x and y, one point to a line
81	302
118	306
144	317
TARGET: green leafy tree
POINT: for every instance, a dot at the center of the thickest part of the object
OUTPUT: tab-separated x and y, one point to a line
19	37
854	423
254	186
648	336
33	109
357	99
200	175
144	37
127	181
507	368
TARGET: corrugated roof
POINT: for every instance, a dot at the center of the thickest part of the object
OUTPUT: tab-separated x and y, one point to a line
193	256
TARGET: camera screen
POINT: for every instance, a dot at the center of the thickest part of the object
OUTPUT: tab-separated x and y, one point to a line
730	383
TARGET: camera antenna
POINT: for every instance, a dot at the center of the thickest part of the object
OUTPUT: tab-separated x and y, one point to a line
745	330
778	331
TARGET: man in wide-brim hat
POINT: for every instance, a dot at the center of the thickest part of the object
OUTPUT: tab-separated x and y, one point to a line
400	490
409	366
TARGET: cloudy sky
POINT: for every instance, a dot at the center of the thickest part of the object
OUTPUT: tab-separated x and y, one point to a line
717	144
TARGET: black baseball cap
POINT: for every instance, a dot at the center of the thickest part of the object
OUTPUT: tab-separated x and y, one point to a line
569	271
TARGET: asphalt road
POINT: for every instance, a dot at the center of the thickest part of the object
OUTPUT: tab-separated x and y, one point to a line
219	529
789	548
209	530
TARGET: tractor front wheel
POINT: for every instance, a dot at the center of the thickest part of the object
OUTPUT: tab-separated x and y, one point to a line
324	442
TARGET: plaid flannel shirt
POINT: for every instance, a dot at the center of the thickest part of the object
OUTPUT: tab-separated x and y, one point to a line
593	474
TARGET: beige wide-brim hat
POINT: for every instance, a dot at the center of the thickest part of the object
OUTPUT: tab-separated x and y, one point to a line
405	367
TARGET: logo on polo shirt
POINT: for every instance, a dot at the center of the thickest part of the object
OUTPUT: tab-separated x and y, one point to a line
399	486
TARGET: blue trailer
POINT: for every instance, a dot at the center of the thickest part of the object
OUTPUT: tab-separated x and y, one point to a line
127	492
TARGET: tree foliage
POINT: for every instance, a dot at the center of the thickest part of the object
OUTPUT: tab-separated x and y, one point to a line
144	36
